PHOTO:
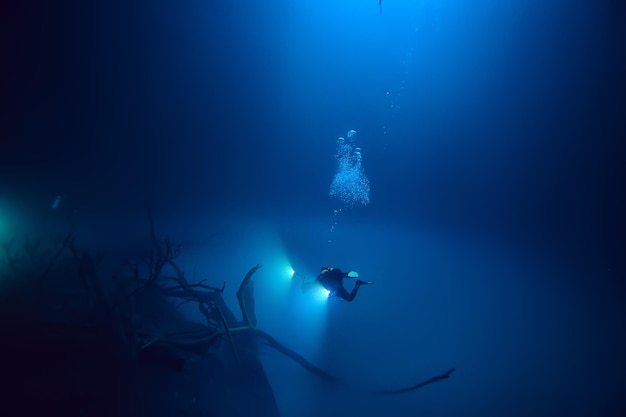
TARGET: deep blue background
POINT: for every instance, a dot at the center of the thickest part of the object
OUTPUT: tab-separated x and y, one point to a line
497	124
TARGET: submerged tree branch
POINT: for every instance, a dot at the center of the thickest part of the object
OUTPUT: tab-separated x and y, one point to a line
422	384
270	341
246	297
213	308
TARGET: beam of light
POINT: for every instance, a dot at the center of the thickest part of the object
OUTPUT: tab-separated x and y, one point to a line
321	295
295	318
278	275
308	309
257	241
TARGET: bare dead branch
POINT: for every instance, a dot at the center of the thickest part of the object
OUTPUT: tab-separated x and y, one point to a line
228	332
247	312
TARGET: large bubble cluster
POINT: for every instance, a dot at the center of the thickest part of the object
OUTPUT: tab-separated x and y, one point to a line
350	184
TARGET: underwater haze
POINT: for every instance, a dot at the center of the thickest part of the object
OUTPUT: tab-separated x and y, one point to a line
466	157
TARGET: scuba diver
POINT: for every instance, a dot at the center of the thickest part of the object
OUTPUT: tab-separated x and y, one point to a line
332	280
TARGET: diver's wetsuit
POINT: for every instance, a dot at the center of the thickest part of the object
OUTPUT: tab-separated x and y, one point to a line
332	280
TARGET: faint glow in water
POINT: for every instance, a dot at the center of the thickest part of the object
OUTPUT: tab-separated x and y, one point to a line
56	202
3	239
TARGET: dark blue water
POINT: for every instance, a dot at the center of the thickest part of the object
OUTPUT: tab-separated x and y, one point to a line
491	134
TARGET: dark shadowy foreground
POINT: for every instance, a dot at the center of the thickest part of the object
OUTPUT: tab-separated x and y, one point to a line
83	336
